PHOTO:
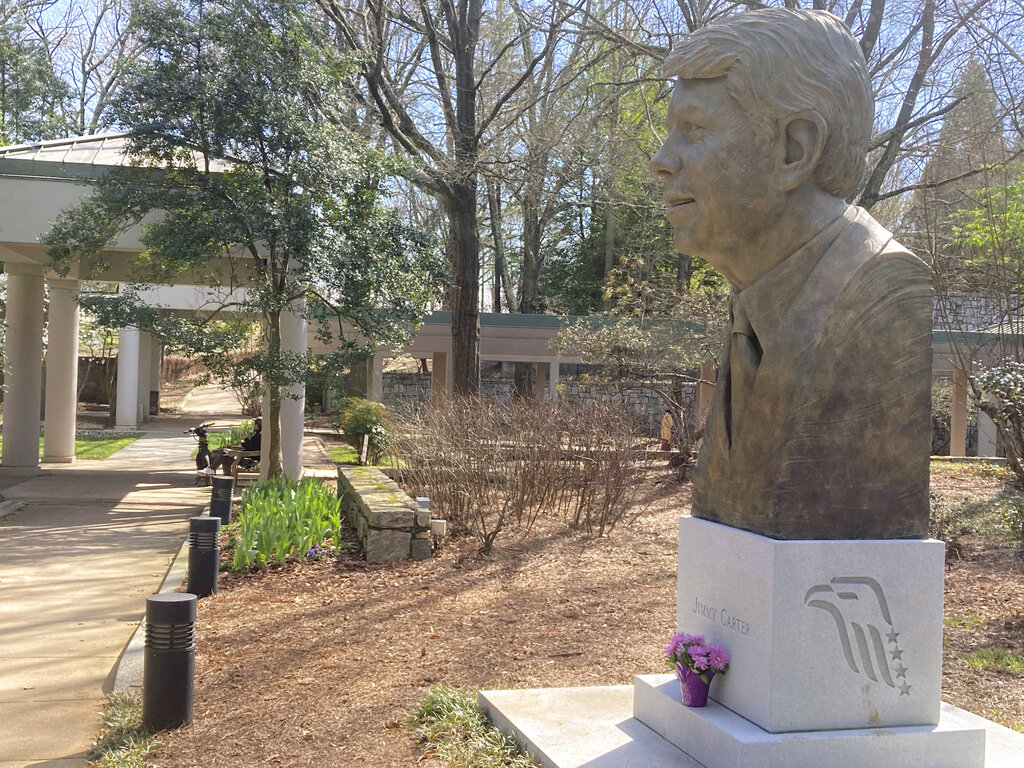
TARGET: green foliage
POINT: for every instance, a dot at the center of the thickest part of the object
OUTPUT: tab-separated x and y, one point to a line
449	724
237	116
233	436
32	97
123	743
992	232
280	518
996	659
360	418
1003	387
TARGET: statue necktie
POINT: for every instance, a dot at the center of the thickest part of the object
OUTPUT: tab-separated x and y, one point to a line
744	357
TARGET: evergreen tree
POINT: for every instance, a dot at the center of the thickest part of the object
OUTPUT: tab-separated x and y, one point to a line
31	95
237	144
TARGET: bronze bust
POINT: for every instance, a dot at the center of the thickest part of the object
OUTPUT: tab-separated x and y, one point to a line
819	427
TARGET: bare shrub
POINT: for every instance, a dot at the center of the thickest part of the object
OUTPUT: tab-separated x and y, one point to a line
179	368
487	465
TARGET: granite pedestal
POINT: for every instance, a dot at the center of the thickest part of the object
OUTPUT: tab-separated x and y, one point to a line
836	661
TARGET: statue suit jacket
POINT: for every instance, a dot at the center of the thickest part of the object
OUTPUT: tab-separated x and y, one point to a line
834	438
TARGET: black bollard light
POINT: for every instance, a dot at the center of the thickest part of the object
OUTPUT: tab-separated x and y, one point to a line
203	555
220	498
169	663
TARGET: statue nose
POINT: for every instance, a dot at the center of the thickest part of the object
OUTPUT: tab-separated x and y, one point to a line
662	164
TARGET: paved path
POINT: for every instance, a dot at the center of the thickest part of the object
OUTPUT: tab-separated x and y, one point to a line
90	542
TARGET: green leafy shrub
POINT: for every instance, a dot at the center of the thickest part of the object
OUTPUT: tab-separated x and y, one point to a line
280	518
360	418
233	436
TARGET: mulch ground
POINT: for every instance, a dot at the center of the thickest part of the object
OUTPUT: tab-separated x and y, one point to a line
318	663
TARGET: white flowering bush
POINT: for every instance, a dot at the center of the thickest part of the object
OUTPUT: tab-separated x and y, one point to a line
1003	387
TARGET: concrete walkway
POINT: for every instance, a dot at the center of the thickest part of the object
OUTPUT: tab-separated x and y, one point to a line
90	543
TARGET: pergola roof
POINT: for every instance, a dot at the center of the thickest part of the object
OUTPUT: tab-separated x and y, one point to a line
78	156
106	149
40	179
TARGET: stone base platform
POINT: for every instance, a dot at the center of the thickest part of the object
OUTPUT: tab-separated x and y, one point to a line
595	728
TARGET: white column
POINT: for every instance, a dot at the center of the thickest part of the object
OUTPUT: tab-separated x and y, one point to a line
61	372
145	350
127	409
156	368
375	383
553	379
987	435
265	440
23	366
541	381
293	400
958	415
440	377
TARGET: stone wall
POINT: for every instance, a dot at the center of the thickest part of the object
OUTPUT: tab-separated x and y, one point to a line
390	524
644	402
972	312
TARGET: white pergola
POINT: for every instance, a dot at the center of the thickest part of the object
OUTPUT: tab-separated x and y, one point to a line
37	182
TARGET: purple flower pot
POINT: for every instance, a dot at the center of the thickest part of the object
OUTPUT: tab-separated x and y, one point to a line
692	687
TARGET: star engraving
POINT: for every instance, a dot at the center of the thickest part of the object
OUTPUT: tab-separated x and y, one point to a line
892	635
901	671
896	653
904	689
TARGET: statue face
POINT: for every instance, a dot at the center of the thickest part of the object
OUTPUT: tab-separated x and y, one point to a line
722	185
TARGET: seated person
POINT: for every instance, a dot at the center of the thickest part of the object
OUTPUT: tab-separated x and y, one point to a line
219	458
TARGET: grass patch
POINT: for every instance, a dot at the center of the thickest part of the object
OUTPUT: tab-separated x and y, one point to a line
970	621
343	454
95	446
452	728
996	659
122	742
978	468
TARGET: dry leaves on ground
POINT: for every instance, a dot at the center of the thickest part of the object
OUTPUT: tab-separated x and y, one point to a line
317	664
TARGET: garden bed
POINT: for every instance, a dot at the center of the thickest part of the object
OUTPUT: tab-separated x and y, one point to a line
317	663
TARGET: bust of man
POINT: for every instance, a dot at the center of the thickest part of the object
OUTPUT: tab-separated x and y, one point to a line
819	427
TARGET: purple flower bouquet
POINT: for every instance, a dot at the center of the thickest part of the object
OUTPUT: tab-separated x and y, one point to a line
695	662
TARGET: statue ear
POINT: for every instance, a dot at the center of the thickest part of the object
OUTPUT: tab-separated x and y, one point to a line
804	135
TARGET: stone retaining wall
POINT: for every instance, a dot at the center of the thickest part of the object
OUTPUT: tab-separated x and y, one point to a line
390	524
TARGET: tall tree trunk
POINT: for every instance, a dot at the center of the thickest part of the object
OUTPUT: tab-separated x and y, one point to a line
463	247
684	273
529	281
463	235
609	245
494	209
273	429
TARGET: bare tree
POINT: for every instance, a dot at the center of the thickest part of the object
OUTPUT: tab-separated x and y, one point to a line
424	76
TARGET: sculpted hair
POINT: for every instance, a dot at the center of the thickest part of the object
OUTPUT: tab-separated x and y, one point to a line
779	62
